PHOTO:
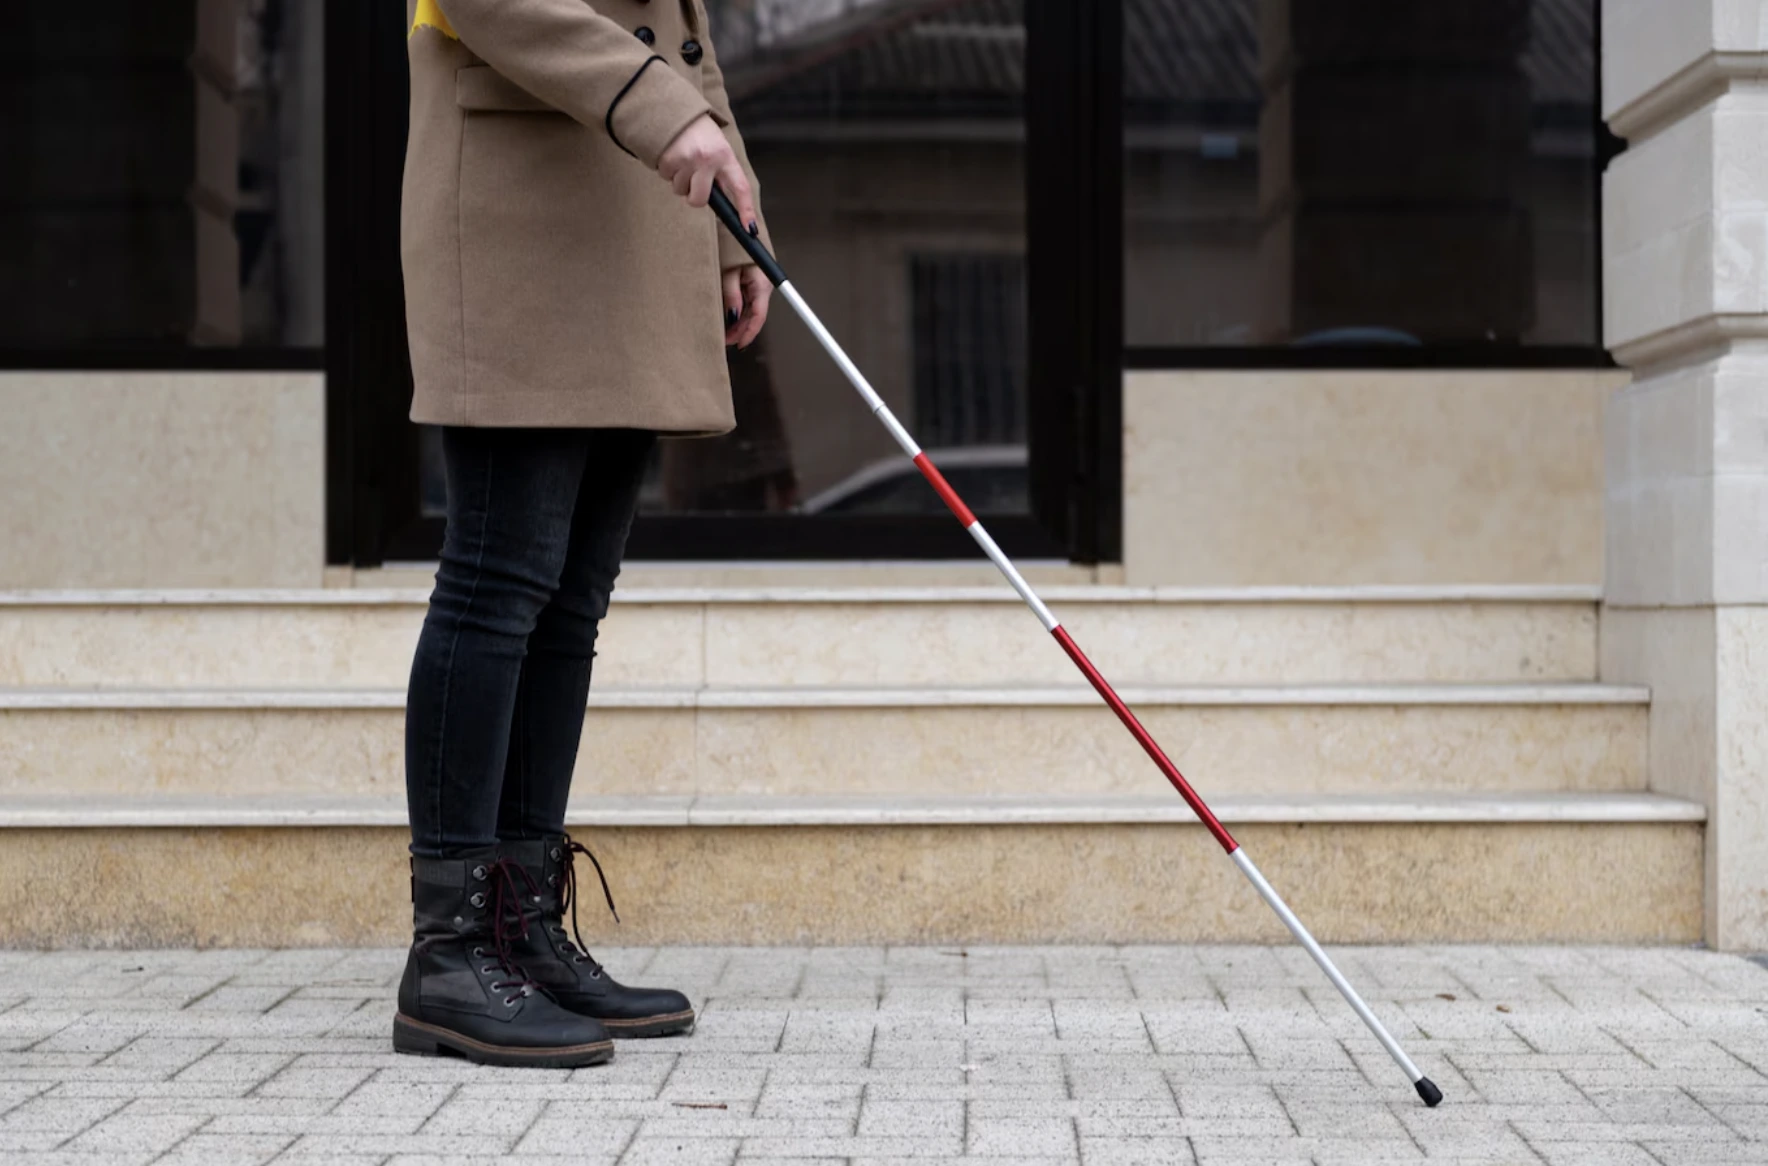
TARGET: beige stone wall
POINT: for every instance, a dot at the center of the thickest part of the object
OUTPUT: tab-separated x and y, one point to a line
1708	739
1364	477
1686	443
179	479
217	479
1524	883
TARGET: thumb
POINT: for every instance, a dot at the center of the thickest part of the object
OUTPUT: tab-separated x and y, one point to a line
733	297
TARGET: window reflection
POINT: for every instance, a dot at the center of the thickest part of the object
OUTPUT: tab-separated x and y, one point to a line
1360	171
279	221
889	138
162	183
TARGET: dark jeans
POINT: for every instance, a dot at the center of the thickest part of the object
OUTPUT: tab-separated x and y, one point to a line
537	525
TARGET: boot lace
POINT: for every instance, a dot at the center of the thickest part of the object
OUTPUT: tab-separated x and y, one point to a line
509	923
568	902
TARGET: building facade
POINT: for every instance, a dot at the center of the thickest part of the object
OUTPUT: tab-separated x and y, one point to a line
1375	382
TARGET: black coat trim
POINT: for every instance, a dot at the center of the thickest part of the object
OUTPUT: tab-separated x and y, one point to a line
624	90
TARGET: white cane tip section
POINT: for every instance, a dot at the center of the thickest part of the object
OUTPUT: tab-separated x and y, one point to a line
1306	939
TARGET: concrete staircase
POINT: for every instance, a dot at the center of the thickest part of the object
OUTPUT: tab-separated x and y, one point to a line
858	763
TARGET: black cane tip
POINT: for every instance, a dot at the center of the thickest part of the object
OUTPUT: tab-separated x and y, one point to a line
1427	1089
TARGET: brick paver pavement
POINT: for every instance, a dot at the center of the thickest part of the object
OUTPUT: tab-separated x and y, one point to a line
909	1055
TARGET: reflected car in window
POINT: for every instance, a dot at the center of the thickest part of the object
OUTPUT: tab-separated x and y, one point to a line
992	479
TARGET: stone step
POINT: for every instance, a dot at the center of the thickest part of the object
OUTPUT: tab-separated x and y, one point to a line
849	741
805	637
1601	867
776	573
162	810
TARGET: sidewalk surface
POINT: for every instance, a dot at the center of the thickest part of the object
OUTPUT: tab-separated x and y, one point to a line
1047	1055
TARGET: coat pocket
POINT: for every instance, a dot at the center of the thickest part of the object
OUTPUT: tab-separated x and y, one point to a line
480	87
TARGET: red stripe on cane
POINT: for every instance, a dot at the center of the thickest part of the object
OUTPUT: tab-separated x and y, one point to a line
950	496
1142	736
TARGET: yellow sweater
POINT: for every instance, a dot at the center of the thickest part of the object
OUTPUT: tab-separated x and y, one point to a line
429	13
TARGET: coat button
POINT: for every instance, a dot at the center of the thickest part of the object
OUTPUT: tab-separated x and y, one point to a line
645	35
691	52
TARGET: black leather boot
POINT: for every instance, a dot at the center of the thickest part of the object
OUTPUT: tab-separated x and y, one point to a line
462	992
566	970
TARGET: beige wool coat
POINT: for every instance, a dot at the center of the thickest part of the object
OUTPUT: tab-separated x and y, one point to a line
552	277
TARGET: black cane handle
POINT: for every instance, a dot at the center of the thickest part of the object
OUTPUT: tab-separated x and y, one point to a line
727	214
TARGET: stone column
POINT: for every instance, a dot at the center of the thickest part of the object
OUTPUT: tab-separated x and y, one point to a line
1685	241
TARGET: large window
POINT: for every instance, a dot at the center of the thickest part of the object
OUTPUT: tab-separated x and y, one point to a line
995	204
1361	173
160	180
890	139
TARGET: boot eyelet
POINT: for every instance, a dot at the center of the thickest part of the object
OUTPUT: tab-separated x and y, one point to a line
552	880
509	1001
478	899
479	873
555	854
478	953
486	971
596	975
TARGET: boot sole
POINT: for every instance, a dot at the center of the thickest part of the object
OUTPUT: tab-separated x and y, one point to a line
667	1025
418	1039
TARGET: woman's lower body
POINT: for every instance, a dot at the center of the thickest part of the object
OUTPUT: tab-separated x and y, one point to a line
537	525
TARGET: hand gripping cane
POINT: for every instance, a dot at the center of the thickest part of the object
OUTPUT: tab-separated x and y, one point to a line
721	205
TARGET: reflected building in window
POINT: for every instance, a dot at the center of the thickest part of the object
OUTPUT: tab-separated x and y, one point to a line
889	137
1360	171
163	184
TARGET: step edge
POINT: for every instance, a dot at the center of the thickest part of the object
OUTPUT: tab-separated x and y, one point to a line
1548	694
738	811
1543	594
